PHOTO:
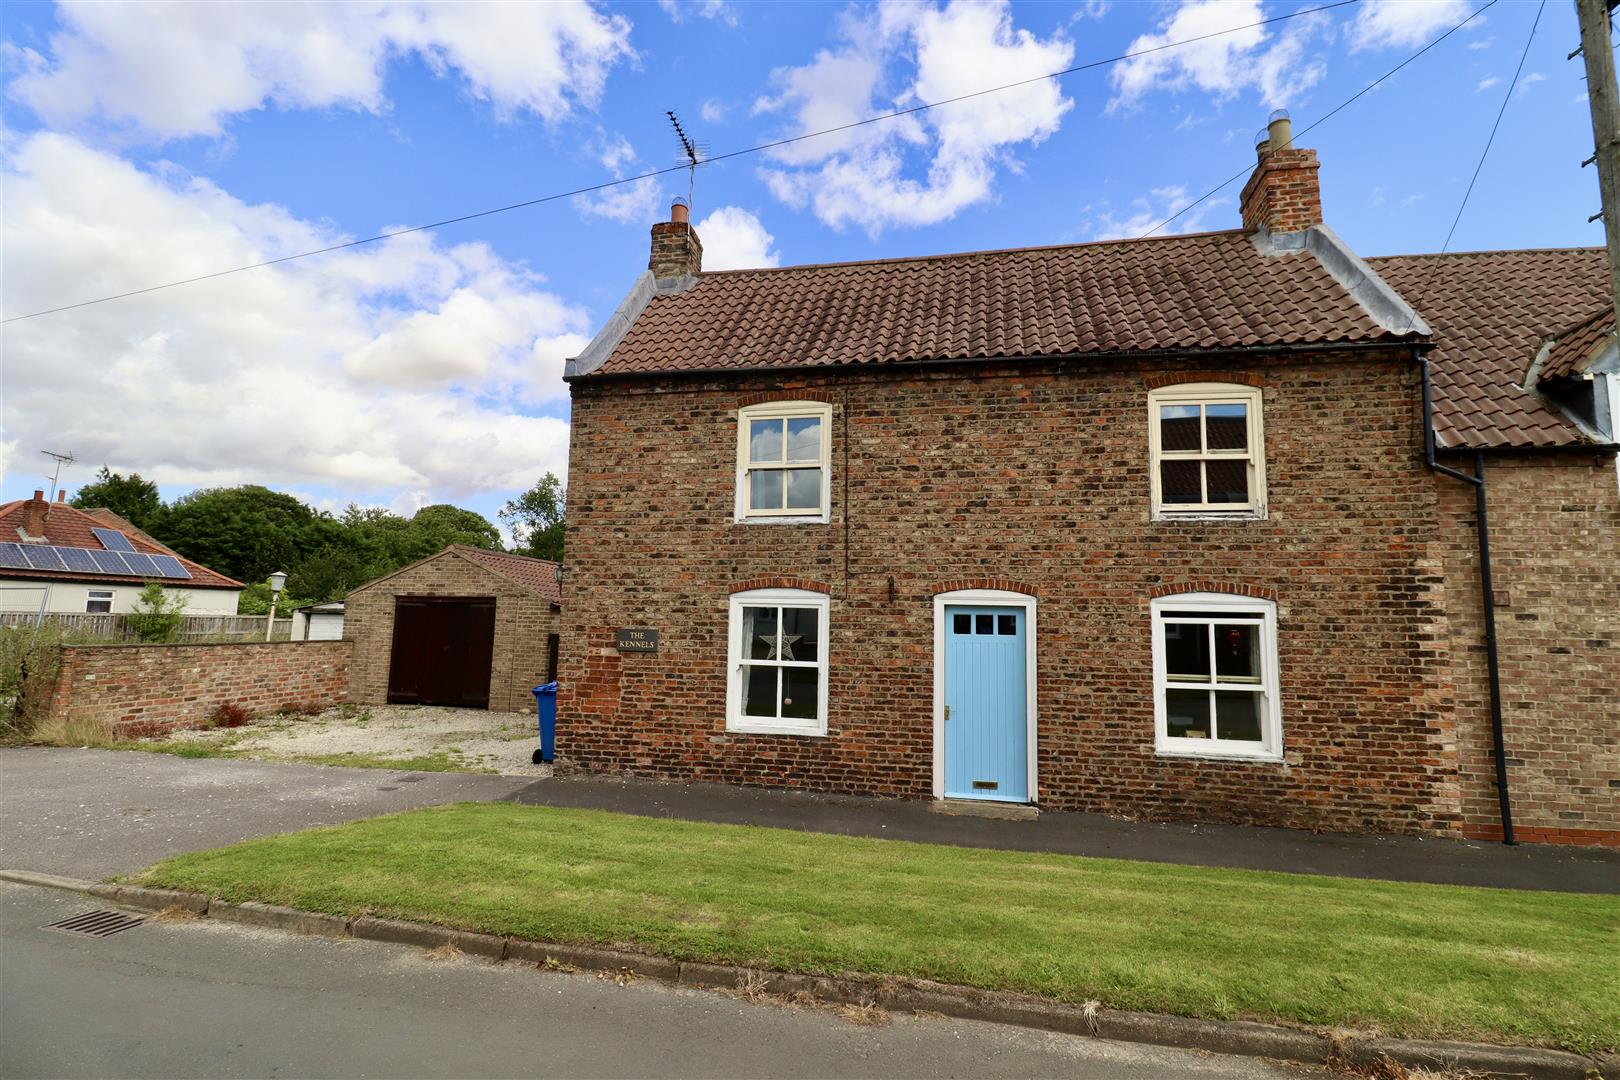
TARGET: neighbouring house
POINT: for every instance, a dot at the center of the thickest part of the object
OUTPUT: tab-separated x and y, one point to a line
465	627
1174	528
62	560
318	622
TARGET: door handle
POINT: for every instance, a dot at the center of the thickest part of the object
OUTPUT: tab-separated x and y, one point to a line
947	713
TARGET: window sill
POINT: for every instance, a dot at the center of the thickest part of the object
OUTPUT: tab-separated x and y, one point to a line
735	727
805	519
1264	757
1209	515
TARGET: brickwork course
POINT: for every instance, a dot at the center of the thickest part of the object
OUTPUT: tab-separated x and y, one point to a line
525	592
161	687
989	430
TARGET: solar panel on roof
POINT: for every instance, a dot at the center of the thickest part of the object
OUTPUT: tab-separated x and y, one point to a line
43	558
78	560
11	557
113	540
142	565
169	566
109	562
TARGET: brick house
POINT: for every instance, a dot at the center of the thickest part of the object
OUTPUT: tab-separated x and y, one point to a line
466	627
59	559
1168	528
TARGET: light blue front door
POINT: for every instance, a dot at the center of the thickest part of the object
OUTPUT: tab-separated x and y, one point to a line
986	732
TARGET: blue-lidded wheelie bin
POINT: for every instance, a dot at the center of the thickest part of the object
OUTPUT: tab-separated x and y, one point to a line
545	702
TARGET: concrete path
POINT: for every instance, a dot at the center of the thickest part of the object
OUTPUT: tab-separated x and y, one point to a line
1445	862
95	813
214	999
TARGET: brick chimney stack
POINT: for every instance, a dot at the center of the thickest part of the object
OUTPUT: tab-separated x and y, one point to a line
34	510
1282	195
676	250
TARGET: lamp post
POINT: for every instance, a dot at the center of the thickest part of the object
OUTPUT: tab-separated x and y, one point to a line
277	580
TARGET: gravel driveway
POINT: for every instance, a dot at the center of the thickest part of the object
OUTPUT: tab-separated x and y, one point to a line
423	738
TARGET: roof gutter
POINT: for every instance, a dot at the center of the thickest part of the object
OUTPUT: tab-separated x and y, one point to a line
577	375
1487	594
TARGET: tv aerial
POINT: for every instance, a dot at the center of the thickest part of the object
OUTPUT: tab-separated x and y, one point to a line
694	155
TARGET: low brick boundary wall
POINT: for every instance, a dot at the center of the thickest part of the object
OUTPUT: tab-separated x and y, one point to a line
161	687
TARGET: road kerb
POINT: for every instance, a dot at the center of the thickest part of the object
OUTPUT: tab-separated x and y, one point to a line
279	918
1243	1038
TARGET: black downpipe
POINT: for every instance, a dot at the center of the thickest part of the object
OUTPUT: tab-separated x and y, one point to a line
1504	803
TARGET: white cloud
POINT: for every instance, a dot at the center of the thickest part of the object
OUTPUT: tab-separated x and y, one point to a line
628	203
181	69
1530	80
1276	67
1486	83
1405	23
713	111
678	10
734	239
926	53
404	366
1149	210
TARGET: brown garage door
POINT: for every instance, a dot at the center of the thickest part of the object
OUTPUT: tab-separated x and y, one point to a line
442	651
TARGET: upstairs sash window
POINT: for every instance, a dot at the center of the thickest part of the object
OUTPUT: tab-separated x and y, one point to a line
1208	450
782	460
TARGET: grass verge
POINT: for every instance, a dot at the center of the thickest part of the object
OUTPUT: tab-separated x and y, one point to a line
1408	960
436	761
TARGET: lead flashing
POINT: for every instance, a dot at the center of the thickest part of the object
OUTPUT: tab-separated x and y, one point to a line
1382	303
618	324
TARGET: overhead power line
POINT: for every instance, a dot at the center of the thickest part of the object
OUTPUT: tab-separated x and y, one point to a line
1421	295
762	147
1319	121
1491	138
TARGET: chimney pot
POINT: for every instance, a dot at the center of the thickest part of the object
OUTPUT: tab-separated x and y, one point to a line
1280	131
1283	194
679	212
61	495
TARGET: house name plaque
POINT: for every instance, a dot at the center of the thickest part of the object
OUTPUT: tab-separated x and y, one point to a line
637	639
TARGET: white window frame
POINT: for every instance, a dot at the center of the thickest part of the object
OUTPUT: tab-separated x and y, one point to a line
1270	746
784	410
799	598
92	596
1210	393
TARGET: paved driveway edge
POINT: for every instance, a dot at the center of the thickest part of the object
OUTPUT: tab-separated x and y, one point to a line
1243	1038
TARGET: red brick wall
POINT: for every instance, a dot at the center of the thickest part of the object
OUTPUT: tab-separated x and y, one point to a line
1039	476
1555	555
179	685
524	622
1282	194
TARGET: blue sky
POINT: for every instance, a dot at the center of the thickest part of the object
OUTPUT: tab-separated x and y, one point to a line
143	143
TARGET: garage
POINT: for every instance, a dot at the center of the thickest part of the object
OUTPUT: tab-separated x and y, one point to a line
466	628
442	651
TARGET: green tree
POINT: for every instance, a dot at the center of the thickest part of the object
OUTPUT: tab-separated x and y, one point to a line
247	532
131	497
158	615
328	574
437	527
536	519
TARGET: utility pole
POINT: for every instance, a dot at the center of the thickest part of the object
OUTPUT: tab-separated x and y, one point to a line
1605	104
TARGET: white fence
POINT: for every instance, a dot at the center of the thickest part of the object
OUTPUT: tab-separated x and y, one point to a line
193	627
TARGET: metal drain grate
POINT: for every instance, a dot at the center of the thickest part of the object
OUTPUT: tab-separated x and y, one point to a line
97	924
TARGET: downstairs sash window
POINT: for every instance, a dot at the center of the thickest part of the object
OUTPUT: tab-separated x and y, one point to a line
778	678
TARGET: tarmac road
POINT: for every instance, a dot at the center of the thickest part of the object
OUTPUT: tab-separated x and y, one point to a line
212	999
